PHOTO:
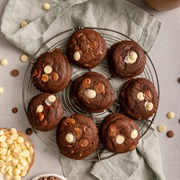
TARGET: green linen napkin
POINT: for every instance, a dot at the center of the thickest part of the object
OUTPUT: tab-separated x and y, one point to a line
120	15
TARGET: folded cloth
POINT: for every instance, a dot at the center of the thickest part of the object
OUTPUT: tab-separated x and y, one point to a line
143	163
120	15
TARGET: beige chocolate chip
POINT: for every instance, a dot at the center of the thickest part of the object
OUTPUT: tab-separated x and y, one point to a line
162	128
69	138
148	106
46	6
120	139
39	109
48	69
40	116
55	76
4	62
86	83
140	96
112	131
170	115
148	95
84	143
23	24
1	90
76	56
24	58
134	134
78	132
90	93
70	121
100	88
44	78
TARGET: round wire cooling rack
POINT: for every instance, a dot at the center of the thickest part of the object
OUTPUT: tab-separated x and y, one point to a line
60	41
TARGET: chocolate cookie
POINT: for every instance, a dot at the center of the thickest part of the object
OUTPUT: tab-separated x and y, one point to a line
44	111
138	98
119	133
86	48
77	136
51	72
92	92
49	178
126	59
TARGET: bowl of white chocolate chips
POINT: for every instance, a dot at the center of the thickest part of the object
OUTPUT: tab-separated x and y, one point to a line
16	154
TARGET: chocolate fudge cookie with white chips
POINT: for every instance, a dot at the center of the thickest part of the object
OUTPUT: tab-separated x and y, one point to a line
86	48
126	59
77	136
138	98
92	92
119	133
51	72
44	111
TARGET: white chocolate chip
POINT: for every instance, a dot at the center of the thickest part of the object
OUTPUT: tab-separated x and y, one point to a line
24	58
23	24
134	134
162	128
120	139
76	56
69	138
133	55
148	106
90	93
48	69
46	6
170	115
52	98
140	96
39	109
1	90
13	131
4	62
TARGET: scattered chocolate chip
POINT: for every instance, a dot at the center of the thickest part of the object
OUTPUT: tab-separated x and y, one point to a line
179	120
29	131
14	110
170	134
179	79
14	72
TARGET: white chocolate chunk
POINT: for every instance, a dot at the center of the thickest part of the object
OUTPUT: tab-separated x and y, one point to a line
69	138
90	93
4	62
162	128
148	106
133	55
26	153
2	163
120	139
76	56
140	96
14	136
134	134
1	90
39	109
23	24
24	58
20	140
13	131
46	6
51	98
17	177
170	115
16	171
2	138
48	69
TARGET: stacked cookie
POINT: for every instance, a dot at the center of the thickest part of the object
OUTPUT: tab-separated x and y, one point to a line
77	136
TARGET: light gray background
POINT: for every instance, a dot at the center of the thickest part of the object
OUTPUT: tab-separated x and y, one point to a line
166	58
